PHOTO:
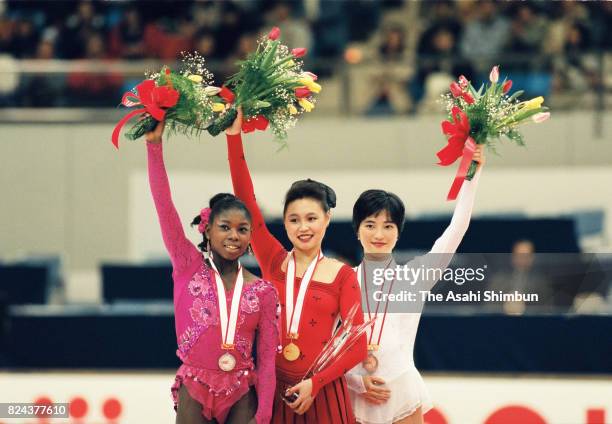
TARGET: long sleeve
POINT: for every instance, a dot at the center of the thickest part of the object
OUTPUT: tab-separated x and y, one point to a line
265	246
355	383
350	294
182	252
267	347
446	245
449	241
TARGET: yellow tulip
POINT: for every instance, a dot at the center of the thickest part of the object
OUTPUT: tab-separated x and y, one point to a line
533	103
218	107
292	110
195	78
306	105
310	84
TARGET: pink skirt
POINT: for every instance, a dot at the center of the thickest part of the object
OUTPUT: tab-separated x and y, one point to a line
215	390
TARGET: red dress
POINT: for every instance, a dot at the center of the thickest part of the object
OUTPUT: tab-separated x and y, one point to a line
322	305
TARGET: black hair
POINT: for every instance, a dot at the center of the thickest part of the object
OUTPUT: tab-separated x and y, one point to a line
372	202
218	204
311	189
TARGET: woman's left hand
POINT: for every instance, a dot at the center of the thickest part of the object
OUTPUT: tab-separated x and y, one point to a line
479	155
305	399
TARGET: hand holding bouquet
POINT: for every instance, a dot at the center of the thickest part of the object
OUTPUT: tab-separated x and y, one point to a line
477	117
184	100
271	87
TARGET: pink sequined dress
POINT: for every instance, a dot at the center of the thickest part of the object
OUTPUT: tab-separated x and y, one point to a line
197	319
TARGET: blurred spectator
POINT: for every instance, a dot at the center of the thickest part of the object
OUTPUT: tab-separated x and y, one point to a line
24	39
78	29
231	25
528	30
247	43
126	37
442	15
485	37
92	88
390	95
438	54
167	38
574	70
42	90
295	32
524	278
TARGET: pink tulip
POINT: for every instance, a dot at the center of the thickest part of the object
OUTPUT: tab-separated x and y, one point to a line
274	33
312	76
494	75
301	92
540	117
507	86
298	52
463	82
455	89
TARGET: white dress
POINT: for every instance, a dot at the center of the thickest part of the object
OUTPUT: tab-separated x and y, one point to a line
395	354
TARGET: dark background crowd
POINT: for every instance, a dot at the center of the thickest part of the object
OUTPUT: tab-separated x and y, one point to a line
546	44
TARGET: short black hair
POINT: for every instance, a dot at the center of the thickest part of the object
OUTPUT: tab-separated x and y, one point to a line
218	204
311	189
372	202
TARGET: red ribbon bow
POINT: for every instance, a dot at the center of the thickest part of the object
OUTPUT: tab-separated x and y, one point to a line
154	99
249	125
460	144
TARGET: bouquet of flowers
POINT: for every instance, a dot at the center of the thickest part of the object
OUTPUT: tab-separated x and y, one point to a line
185	99
342	338
479	117
271	87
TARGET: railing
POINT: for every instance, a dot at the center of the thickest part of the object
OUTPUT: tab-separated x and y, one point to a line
58	84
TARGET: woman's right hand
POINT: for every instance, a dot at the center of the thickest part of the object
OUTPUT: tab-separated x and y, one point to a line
237	124
155	136
374	393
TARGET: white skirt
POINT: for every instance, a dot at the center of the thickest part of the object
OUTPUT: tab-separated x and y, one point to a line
408	393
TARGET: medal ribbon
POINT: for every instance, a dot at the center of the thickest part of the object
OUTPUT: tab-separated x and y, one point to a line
228	327
361	276
294	313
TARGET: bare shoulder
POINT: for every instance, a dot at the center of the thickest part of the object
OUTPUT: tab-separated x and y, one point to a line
333	264
328	270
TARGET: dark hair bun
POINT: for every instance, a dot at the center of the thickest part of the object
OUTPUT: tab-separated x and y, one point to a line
311	189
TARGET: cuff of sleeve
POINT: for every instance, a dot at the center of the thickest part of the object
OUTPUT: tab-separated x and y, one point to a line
355	383
233	137
261	418
317	382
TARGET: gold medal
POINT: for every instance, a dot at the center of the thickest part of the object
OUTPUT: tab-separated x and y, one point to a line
372	347
291	352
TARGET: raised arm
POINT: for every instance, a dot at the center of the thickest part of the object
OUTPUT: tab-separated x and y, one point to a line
267	347
449	241
182	252
446	245
265	246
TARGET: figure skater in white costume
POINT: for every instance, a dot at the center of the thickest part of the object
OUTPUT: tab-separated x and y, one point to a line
387	388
